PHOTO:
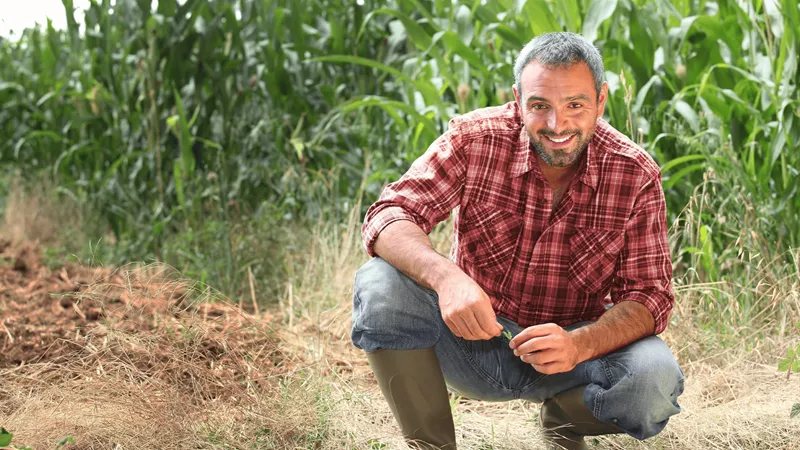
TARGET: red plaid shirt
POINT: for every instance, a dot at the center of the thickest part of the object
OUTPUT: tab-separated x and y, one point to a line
608	233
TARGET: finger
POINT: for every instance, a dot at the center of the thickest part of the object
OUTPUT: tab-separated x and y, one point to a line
537	344
453	327
475	331
541	358
549	369
487	320
532	332
488	328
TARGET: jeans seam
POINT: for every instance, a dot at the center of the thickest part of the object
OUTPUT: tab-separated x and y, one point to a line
478	370
533	383
612	380
598	397
360	310
598	403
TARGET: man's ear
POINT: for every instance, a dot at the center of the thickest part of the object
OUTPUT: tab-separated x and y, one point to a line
516	95
601	100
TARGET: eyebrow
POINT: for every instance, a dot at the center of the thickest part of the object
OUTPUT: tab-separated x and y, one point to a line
535	98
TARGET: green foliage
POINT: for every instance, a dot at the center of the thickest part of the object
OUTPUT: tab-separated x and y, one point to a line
65	441
792	361
791	364
162	119
181	123
5	437
376	444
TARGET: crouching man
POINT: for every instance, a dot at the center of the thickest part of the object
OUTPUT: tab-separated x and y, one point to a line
555	210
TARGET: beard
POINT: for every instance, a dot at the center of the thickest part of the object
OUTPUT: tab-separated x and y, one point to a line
562	157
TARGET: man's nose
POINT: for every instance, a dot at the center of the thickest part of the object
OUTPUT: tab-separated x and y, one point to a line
555	121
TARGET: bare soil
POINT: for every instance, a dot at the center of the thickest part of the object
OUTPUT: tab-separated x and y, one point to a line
44	311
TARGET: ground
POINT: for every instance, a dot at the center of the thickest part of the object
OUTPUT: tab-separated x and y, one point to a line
140	358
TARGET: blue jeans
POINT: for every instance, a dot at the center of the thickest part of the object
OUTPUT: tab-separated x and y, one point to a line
636	387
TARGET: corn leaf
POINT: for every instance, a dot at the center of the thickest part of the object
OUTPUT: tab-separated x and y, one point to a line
599	11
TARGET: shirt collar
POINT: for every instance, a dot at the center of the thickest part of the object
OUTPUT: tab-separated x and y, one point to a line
523	160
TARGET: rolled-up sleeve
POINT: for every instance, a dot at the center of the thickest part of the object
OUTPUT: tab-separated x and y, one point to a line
644	274
426	193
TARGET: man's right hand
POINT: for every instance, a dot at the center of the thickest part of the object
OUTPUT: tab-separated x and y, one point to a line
466	309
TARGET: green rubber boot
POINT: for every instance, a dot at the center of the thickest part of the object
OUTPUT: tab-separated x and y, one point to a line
566	420
413	385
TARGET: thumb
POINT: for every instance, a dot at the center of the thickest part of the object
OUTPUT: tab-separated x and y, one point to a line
494	320
488	321
493	317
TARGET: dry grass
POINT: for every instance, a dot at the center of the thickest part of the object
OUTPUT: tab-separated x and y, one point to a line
34	213
734	398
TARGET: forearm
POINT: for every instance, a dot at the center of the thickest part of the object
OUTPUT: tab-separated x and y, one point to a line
405	246
623	324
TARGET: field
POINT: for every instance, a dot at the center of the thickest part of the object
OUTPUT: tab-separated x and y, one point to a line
142	357
182	185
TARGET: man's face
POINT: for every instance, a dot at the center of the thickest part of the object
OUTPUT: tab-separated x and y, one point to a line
560	108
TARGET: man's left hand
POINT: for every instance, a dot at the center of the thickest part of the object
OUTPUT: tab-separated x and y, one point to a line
548	348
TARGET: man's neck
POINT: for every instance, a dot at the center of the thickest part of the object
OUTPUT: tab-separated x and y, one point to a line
558	177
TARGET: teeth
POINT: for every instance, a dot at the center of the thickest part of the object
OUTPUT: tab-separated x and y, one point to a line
559	140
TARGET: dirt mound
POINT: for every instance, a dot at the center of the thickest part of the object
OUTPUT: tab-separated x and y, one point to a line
45	312
112	356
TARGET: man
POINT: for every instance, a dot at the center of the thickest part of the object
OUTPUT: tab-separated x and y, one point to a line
556	209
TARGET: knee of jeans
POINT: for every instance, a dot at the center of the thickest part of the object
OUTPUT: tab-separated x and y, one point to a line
390	310
659	371
656	388
643	391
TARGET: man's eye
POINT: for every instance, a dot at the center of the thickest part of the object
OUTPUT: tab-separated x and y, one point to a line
539	107
576	105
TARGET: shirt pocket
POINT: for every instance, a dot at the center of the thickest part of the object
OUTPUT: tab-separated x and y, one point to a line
490	237
593	259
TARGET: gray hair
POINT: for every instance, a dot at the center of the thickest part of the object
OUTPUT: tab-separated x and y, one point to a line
562	49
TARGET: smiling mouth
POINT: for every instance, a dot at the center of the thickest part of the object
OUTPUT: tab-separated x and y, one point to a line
560	140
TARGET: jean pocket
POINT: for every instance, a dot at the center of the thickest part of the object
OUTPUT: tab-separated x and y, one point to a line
593	259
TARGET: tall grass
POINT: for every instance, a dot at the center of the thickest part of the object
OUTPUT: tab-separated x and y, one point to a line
202	130
188	120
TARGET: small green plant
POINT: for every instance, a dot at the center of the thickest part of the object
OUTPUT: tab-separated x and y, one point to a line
507	335
376	444
5	437
791	363
65	441
454	401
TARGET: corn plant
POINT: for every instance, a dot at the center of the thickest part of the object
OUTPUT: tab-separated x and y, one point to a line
702	86
181	122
